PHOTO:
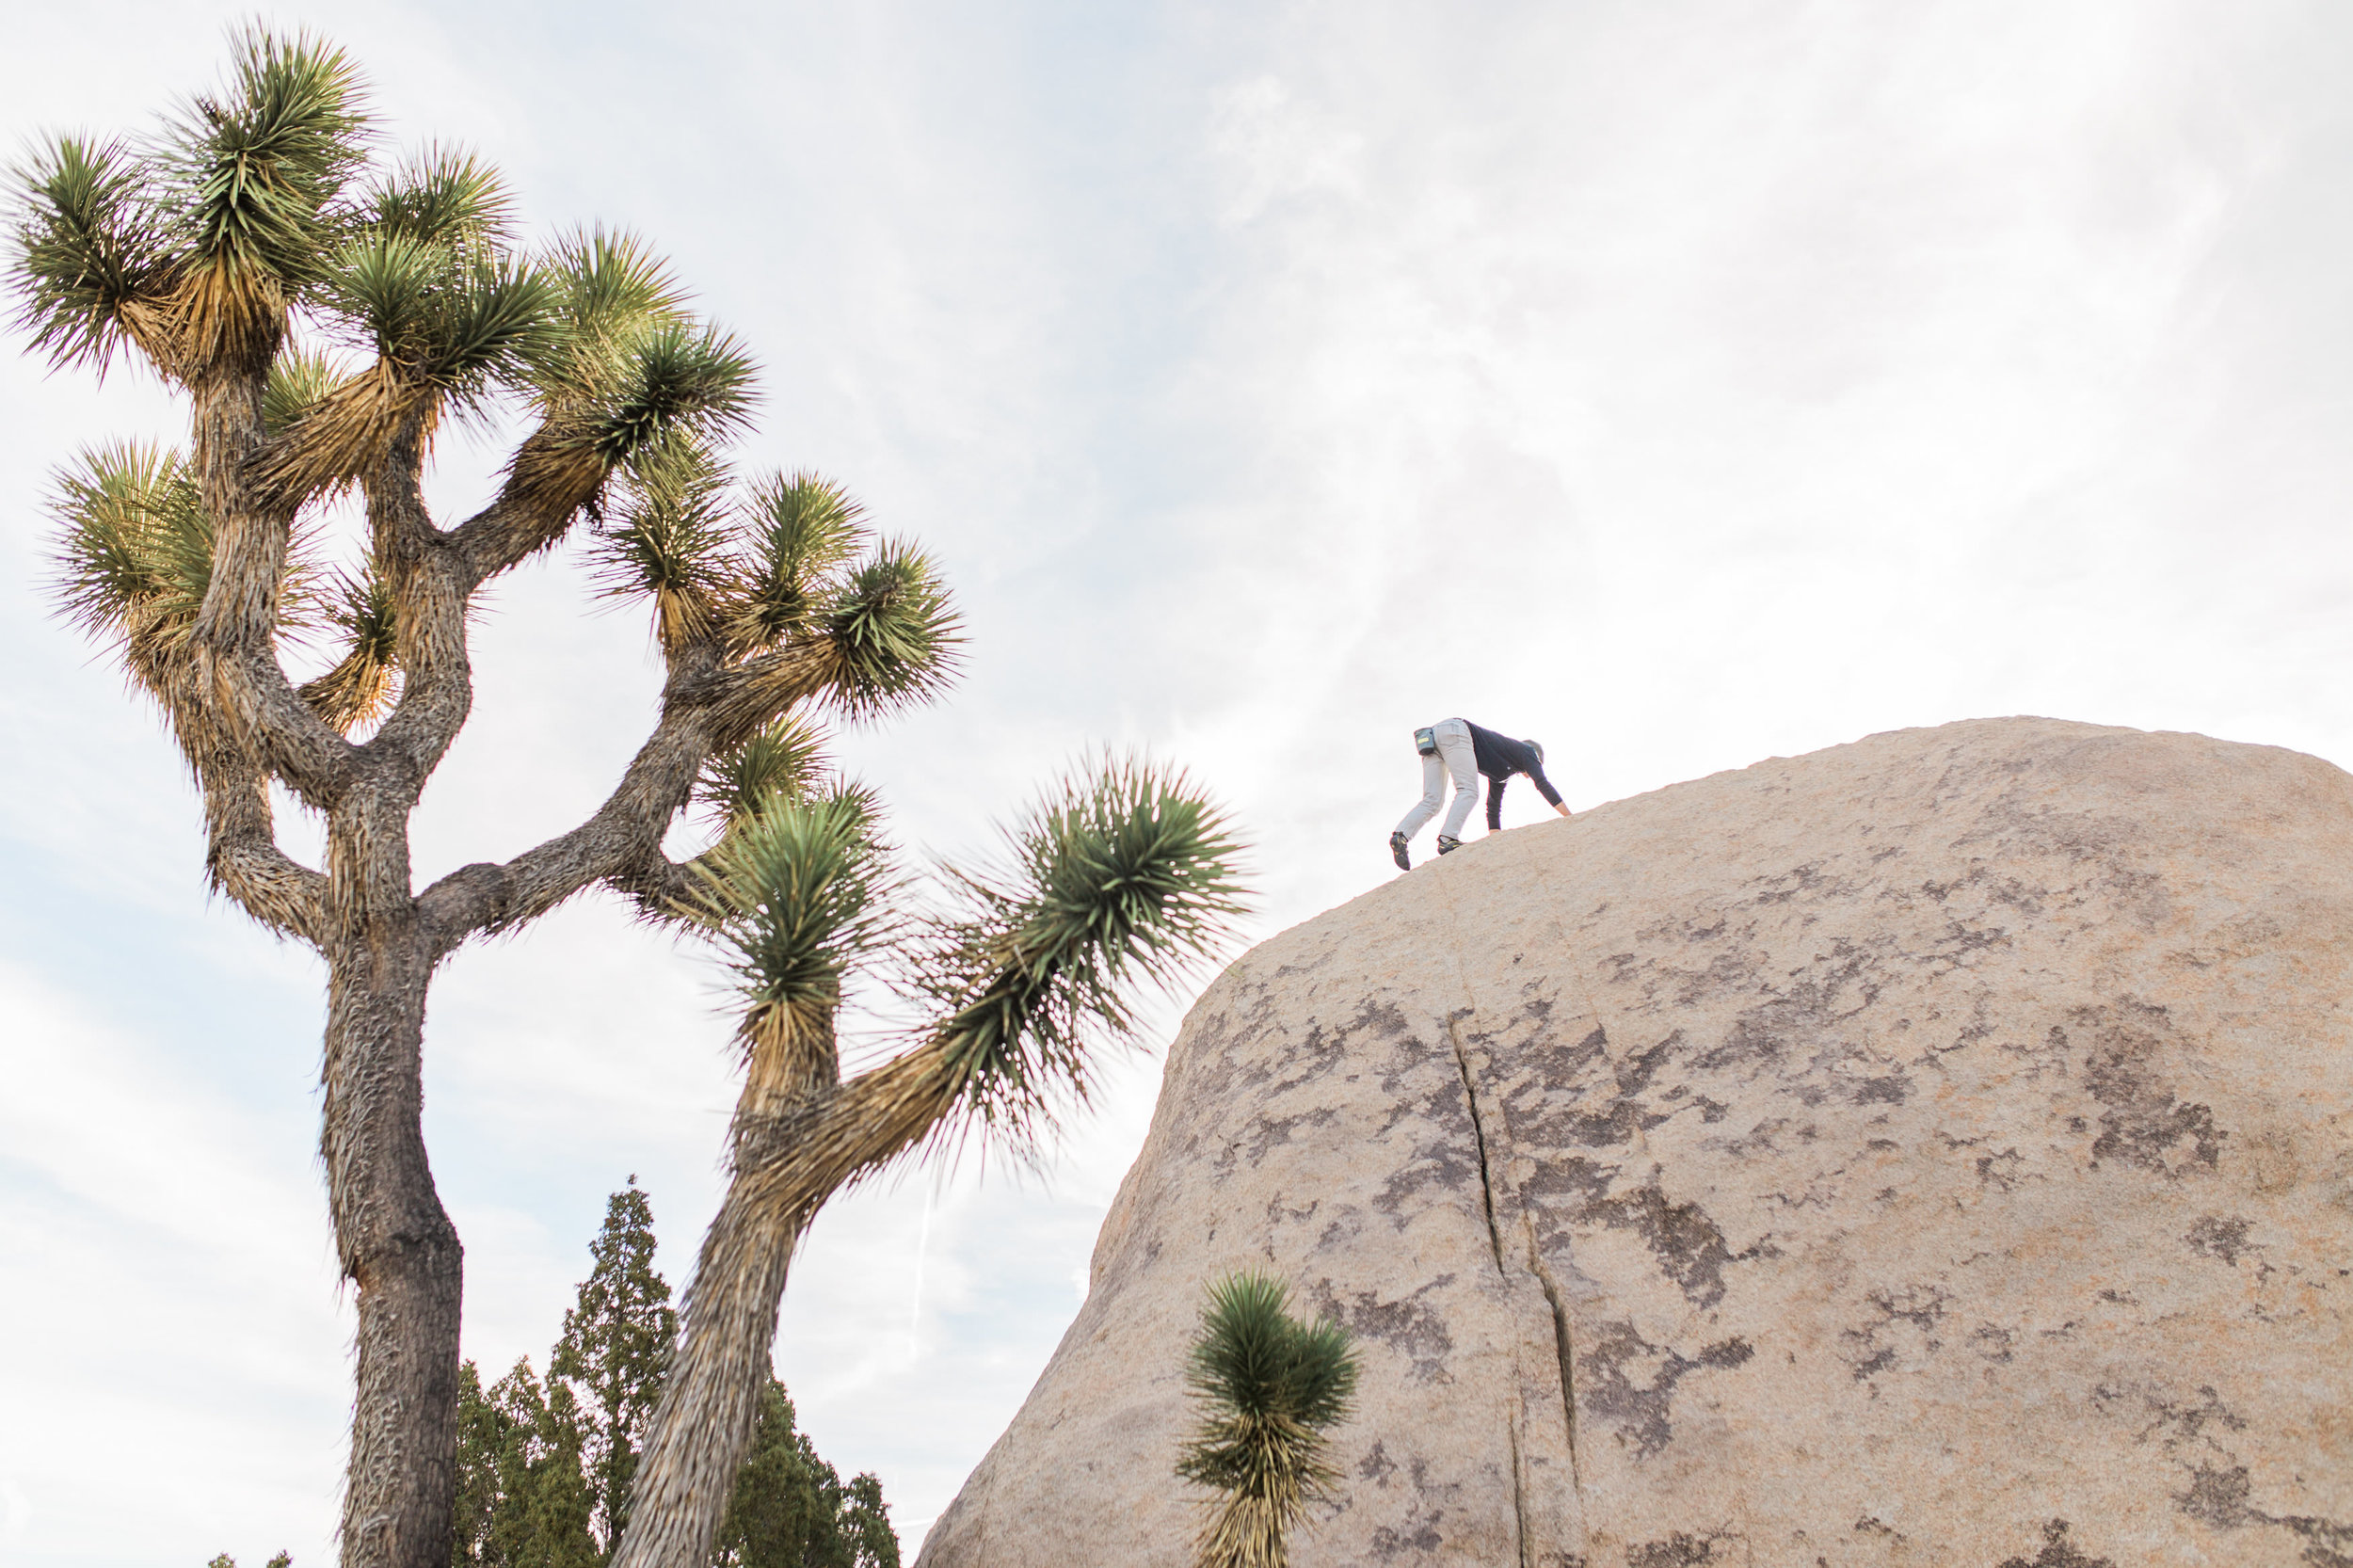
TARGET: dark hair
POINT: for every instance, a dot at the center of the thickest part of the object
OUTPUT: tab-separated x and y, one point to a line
1537	746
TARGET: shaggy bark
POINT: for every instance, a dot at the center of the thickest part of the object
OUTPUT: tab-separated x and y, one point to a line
800	1135
241	721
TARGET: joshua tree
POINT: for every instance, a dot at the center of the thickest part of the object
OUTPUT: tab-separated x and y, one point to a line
234	252
1269	1387
1120	875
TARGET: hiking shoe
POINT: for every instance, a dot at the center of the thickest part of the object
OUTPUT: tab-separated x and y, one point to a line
1397	852
1446	845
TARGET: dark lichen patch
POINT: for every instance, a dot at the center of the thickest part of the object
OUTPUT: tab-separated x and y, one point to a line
1569	1067
1419	1534
2144	1125
1377	1466
1604	1108
1764	1036
1682	1550
2175	1423
2218	1497
2000	1170
1406	1325
1608	1364
1268	1132
1874	1347
1690	1245
2214	1237
1448	1164
1994	1343
2058	1552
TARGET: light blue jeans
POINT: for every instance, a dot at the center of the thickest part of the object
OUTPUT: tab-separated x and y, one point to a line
1457	759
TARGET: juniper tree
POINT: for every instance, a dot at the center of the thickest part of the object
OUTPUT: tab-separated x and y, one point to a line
536	1465
1018	972
523	1498
327	314
793	1509
616	1344
1269	1388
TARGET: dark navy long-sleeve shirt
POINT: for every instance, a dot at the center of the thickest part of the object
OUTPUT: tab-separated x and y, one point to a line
1499	758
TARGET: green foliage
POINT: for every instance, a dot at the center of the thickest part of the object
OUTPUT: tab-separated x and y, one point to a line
459	317
894	630
797	895
610	290
675	377
136	550
86	246
1122	870
544	1470
523	1498
617	1341
791	1510
361	685
802	529
671	540
284	1560
298	378
254	171
785	760
1269	1389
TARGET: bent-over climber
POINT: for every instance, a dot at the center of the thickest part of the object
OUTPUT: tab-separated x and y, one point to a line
1463	750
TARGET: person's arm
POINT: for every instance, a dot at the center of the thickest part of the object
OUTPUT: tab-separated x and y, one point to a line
1494	803
1544	787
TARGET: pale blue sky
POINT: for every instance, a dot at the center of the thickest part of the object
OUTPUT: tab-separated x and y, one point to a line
1678	383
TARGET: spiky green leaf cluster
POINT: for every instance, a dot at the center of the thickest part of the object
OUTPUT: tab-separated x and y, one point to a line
672	539
86	249
255	170
894	628
136	554
299	378
361	685
1269	1389
784	761
678	377
801	529
611	289
1121	874
628	367
195	244
797	896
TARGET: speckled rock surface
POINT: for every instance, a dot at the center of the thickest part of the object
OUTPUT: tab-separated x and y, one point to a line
1932	1151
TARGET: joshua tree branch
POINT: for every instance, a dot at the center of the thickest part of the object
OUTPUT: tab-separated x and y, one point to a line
242	855
550	480
621	843
430	590
235	631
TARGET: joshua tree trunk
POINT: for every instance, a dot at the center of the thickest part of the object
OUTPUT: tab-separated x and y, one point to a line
703	1427
398	1246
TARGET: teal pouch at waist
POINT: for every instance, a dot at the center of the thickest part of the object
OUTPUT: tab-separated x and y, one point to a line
1426	742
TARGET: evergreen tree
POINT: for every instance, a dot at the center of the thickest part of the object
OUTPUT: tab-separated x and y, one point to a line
791	1509
539	1466
616	1343
523	1498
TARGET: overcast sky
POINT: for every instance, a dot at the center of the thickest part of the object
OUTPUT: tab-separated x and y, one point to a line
1679	384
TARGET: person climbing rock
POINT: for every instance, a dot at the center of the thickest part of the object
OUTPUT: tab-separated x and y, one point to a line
1463	750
